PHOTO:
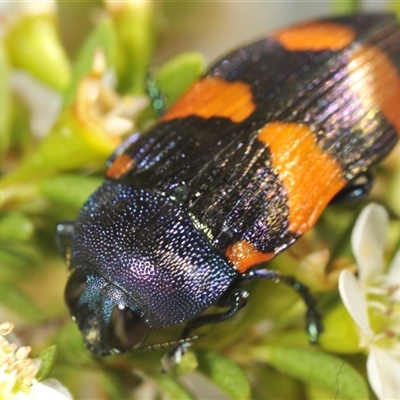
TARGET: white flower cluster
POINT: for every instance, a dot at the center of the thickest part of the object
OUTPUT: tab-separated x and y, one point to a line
18	371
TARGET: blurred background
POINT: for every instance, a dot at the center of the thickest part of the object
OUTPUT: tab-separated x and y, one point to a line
210	27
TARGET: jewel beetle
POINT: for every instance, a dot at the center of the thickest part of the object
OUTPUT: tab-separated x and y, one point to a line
235	172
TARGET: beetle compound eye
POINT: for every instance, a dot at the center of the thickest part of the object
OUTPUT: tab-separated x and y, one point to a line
74	289
127	329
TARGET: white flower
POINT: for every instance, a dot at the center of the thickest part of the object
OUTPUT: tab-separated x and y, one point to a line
373	301
99	107
17	373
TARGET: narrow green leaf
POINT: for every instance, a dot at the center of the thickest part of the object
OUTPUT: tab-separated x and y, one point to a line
346	6
34	45
70	346
177	74
21	138
135	32
395	7
224	374
172	389
114	383
341	334
19	303
321	369
16	258
187	365
68	189
12	267
69	146
47	358
5	102
170	81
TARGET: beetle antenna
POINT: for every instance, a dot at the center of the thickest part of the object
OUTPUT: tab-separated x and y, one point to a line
177	343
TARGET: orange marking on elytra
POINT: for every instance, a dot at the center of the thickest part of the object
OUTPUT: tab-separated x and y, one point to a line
214	97
315	36
377	82
310	176
243	255
122	164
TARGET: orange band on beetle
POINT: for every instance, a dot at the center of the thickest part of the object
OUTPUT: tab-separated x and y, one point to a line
122	164
377	82
243	255
315	36
310	176
214	97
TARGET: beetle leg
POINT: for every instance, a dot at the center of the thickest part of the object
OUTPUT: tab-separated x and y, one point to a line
235	299
158	99
313	317
64	233
356	189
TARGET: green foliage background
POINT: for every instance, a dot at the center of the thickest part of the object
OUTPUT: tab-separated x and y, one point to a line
262	353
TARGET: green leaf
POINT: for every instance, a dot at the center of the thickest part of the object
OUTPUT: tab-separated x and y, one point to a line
177	74
16	258
47	358
68	189
34	45
70	346
187	365
69	146
395	7
341	334
21	138
171	80
5	102
102	38
270	384
319	368
172	389
19	303
135	32
15	226
393	191
12	266
224	374
346	6
113	383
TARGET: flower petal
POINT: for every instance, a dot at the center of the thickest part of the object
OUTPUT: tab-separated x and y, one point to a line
368	241
49	389
354	300
383	370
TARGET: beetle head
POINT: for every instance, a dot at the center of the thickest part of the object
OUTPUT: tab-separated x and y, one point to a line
138	263
107	324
